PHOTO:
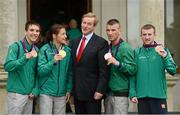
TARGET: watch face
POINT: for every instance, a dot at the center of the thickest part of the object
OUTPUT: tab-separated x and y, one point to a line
62	53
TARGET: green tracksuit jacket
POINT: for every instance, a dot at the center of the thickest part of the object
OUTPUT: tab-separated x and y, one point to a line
21	71
150	80
120	75
54	79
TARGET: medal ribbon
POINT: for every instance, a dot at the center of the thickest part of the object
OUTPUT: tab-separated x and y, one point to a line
56	51
117	47
150	45
24	45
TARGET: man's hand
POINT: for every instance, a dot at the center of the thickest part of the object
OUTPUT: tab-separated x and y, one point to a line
134	100
68	95
111	60
97	96
57	57
28	55
163	53
31	96
160	50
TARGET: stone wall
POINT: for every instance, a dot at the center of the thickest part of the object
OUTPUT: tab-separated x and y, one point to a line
8	26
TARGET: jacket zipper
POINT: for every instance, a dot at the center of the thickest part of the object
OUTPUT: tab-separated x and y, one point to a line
58	77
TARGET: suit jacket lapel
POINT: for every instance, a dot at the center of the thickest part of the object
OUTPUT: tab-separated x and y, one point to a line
75	46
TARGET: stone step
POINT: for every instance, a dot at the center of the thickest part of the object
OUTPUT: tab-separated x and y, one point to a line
3	74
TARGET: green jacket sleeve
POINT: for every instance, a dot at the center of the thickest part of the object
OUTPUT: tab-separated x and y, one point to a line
69	78
35	90
170	65
12	63
132	86
128	64
132	80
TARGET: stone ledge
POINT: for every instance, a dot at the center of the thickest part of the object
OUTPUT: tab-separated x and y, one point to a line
3	77
171	80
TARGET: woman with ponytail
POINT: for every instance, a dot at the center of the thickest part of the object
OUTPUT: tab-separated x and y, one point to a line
54	70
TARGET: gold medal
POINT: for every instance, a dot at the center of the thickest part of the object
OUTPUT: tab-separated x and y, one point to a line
62	53
34	53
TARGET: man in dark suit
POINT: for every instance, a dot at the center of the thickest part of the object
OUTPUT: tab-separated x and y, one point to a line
89	67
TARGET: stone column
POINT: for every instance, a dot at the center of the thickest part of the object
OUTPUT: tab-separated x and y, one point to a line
107	9
8	34
133	23
152	12
8	25
171	82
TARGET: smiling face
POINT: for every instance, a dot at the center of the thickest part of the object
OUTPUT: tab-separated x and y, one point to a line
148	36
88	25
60	38
32	33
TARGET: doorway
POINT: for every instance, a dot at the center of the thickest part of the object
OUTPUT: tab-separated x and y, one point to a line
48	12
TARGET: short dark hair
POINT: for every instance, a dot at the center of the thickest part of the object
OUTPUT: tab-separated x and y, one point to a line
53	30
147	27
112	22
31	22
